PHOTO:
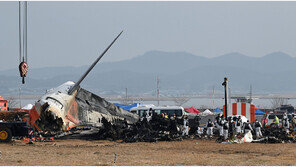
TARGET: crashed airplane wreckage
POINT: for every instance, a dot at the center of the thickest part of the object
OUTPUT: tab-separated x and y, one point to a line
68	106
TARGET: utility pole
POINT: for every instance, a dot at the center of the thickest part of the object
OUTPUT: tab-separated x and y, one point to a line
213	97
225	84
20	97
229	98
126	96
157	91
250	94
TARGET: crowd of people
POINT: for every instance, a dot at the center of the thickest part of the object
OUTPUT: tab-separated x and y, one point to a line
285	122
232	127
156	127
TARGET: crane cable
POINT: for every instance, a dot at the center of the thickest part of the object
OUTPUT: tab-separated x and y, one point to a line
23	66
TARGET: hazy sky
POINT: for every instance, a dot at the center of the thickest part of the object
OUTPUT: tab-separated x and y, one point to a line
74	33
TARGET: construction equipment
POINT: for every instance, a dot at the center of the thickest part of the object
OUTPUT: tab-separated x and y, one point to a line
12	129
23	51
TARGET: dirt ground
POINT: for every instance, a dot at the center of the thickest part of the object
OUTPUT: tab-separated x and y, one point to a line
186	152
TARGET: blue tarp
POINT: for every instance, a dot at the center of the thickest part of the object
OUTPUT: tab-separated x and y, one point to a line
217	110
259	112
127	107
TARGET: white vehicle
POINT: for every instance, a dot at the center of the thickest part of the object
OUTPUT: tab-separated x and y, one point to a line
142	109
169	110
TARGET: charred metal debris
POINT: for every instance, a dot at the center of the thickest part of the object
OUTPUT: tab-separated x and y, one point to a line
157	129
276	135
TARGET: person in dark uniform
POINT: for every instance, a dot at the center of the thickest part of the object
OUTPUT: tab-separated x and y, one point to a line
238	125
247	127
258	127
225	129
210	127
219	124
231	127
195	125
185	126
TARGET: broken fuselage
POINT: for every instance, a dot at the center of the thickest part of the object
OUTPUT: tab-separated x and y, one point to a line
53	108
67	106
58	110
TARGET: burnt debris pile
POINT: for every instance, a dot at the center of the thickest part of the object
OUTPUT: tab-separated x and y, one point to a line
8	116
156	129
277	135
48	122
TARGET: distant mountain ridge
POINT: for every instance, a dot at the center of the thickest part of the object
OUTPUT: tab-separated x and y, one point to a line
179	72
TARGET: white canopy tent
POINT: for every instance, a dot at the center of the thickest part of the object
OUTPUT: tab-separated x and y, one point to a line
28	107
207	112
